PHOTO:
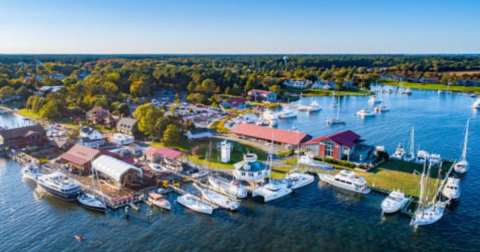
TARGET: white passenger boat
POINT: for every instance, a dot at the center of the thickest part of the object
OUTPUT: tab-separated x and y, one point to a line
159	201
422	156
287	114
451	190
234	188
299	179
365	113
309	160
394	202
31	171
347	180
462	165
60	186
314	107
91	202
218	199
399	153
273	190
374	100
188	201
476	104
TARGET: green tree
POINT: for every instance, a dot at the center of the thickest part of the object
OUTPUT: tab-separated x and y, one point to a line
171	136
146	116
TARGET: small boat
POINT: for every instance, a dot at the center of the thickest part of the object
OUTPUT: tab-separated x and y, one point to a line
382	108
408	91
337	120
274	189
314	107
200	174
422	156
435	159
302	108
218	199
462	165
31	171
188	201
269	115
440	92
60	186
298	179
399	153
373	100
233	188
287	114
346	180
476	104
91	202
309	160
79	238
389	91
159	201
451	190
394	202
365	113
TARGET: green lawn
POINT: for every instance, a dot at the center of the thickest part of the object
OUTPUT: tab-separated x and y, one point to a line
29	114
431	86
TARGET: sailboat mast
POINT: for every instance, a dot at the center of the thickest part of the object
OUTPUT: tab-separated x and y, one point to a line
412	143
420	200
338	109
465	143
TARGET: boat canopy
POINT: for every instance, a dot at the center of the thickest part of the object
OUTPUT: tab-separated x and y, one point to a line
117	170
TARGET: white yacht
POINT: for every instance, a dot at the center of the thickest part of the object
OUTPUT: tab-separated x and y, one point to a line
374	100
309	160
233	188
347	180
381	108
462	165
399	153
91	202
287	114
451	190
394	202
299	179
476	104
60	186
159	201
218	199
314	107
422	156
435	159
188	201
365	113
273	190
31	171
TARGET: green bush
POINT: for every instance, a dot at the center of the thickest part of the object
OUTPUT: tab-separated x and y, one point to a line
336	161
286	153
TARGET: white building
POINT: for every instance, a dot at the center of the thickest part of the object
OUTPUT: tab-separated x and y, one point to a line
90	133
122	139
225	151
117	171
297	84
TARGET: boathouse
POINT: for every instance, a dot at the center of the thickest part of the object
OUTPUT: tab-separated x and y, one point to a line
78	158
18	137
345	145
118	172
266	133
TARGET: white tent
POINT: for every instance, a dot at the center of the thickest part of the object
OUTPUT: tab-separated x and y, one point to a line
117	170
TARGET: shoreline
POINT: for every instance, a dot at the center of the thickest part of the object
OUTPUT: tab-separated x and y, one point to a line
432	87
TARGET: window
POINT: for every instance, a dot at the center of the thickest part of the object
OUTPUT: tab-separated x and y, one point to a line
329	147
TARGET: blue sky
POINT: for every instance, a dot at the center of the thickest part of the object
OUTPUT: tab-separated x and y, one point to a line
230	26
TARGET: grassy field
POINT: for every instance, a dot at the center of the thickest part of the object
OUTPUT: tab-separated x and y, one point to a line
236	156
431	86
29	114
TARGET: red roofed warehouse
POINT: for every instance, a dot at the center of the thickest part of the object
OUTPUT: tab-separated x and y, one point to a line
166	157
258	94
345	145
79	158
30	135
265	133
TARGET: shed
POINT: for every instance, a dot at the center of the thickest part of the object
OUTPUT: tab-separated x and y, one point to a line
117	171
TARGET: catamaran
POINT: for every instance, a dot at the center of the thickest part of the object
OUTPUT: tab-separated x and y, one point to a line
462	165
337	120
394	202
347	180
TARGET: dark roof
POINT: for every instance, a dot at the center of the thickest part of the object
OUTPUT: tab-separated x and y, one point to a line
236	101
345	138
198	131
21	132
59	142
266	133
126	123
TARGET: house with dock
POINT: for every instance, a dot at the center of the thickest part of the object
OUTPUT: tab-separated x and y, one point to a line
23	136
345	145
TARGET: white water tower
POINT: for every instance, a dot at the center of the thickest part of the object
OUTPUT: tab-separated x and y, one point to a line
225	150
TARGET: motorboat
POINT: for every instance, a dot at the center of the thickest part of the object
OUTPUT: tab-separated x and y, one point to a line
347	180
374	100
365	113
422	156
59	185
476	104
298	179
462	165
399	153
31	171
314	107
451	190
408	91
389	91
381	108
273	190
218	199
287	114
435	159
309	160
440	92
234	188
91	202
200	174
189	201
157	167
394	202
159	201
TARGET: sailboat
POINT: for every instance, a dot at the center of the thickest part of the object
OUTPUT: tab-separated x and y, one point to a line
90	200
427	212
300	106
336	120
462	165
411	155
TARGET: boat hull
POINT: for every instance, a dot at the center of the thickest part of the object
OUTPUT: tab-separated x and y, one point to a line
331	181
194	206
63	196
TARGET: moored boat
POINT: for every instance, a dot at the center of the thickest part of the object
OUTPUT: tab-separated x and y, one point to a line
159	201
394	202
218	199
274	189
233	188
91	202
314	107
298	179
462	165
31	171
188	201
346	180
451	190
399	153
365	113
59	185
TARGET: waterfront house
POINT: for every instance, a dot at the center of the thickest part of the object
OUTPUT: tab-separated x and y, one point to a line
266	133
257	94
127	126
97	115
198	134
78	158
117	172
297	84
345	145
18	137
236	102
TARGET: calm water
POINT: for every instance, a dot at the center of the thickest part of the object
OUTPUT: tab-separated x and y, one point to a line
316	218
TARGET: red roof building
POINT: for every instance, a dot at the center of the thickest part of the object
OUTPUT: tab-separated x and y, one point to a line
259	94
80	157
338	146
163	152
265	133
